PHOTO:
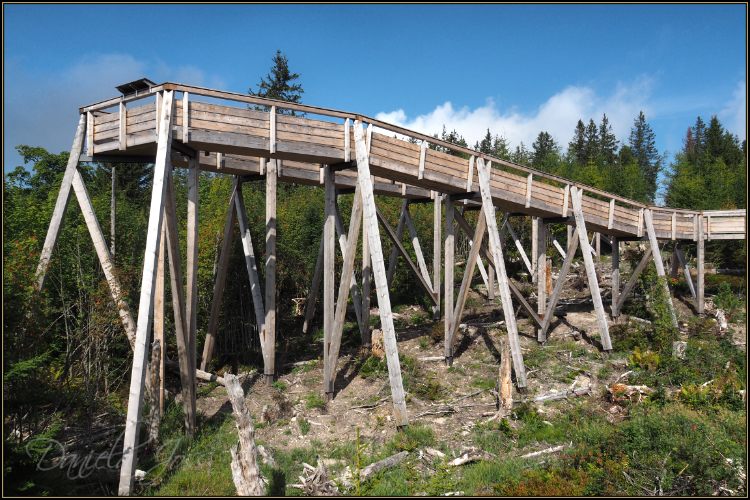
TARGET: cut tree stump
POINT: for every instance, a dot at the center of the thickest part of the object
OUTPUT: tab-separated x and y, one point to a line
245	470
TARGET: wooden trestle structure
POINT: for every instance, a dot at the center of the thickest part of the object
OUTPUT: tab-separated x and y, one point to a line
178	130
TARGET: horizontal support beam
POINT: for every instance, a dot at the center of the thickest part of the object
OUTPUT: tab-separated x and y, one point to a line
472	208
420	200
251	178
118	158
184	149
559	220
344	165
466	196
345	191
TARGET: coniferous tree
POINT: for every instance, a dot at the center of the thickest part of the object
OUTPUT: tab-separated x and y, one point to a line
279	85
577	145
591	142
521	155
607	142
544	152
643	143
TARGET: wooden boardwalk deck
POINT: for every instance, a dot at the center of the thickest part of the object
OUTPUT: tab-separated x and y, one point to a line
401	169
335	151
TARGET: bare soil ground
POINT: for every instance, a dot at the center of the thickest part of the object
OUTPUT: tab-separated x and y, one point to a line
570	358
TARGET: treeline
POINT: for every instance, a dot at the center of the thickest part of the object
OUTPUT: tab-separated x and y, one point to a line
708	173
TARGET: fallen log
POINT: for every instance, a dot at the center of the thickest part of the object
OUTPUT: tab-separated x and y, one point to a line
245	470
470	455
554	449
347	479
557	395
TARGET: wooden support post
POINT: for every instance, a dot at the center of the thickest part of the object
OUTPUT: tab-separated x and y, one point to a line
674	226
356	298
58	215
97	237
270	323
590	270
611	213
566	198
685	269
416	246
529	183
329	256
123	127
272	131
479	263
135	400
550	311
598	247
615	274
422	154
437	258
90	133
470	175
503	280
347	140
366	278
541	273
534	248
399	234
331	351
187	369
221	276
112	211
639	230
700	257
159	310
466	282
624	295
185	117
384	303
252	272
570	236
191	303
317	274
449	275
659	263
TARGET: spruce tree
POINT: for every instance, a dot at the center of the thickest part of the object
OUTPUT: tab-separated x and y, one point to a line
577	145
591	142
607	142
544	152
643	143
279	85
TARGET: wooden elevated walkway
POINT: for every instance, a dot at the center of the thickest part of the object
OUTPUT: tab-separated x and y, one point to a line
334	150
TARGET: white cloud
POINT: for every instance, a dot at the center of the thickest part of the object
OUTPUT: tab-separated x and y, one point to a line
734	114
558	115
42	109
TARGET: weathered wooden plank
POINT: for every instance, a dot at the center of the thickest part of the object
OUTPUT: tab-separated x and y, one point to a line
658	262
566	198
272	131
185	117
63	197
615	274
421	160
381	285
159	310
417	247
519	246
541	268
399	234
437	216
534	248
102	252
347	141
639	232
347	273
252	270
221	276
624	295
187	370
686	270
354	289
366	278
529	181
701	255
191	304
611	213
123	127
497	253
269	336
590	271
329	281
145	309
550	311
470	174
466	282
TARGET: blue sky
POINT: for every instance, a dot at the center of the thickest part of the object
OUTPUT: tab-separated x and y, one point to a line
515	69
